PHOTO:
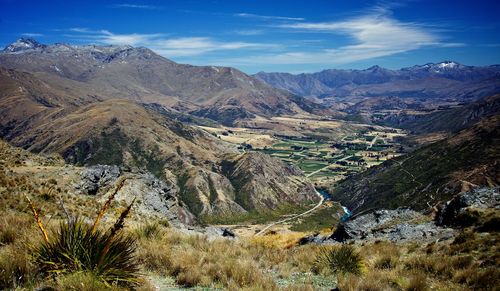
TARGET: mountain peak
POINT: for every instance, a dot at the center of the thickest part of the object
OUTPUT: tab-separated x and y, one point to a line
448	64
23	44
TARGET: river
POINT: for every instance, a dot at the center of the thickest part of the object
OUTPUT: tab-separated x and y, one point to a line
328	197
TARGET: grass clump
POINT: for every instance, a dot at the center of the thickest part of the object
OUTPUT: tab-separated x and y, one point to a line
148	231
341	260
75	248
80	247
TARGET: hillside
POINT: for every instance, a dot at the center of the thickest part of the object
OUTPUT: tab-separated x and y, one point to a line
42	119
441	80
109	72
430	174
451	120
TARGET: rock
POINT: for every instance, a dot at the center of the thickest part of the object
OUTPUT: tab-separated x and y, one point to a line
154	198
456	211
314	238
97	177
395	225
218	232
262	182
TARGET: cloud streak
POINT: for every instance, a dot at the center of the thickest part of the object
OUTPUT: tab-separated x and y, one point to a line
32	34
375	34
164	45
268	17
135	6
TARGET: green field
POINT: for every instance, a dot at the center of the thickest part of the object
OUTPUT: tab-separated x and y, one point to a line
311	155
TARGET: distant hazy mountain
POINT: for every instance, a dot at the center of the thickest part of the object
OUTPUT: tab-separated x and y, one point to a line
139	74
445	79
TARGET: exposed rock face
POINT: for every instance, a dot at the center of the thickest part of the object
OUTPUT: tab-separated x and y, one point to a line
394	225
97	177
208	193
454	212
154	198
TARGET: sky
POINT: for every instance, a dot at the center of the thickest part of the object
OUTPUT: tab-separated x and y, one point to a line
272	36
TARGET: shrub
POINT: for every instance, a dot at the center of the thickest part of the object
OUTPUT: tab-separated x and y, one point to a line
75	248
78	247
341	260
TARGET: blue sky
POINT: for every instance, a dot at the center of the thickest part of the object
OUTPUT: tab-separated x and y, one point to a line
256	35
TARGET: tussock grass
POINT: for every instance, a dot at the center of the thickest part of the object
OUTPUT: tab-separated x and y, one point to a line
340	260
75	248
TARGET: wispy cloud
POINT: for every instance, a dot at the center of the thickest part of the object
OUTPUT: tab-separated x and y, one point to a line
189	46
268	17
375	34
135	6
32	34
249	31
164	45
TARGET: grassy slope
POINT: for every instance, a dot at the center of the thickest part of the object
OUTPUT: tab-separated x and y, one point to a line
453	120
430	174
174	259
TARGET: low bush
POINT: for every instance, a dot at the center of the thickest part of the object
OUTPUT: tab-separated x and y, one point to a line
76	248
341	260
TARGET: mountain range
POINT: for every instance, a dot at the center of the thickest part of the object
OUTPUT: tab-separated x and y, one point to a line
105	72
121	106
446	79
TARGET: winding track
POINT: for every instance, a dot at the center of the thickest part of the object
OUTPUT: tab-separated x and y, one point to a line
295	216
308	211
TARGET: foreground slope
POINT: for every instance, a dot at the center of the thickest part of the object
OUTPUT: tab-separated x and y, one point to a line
430	174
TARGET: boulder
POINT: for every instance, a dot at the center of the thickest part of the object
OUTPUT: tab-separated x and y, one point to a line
97	177
394	225
458	212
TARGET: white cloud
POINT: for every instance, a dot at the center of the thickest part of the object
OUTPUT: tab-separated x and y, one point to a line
190	46
32	34
268	17
169	47
249	32
134	6
375	34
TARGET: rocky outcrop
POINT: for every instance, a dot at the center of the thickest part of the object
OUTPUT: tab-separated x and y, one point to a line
459	211
154	197
96	178
394	225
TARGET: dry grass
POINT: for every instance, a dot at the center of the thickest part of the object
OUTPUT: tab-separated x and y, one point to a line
469	262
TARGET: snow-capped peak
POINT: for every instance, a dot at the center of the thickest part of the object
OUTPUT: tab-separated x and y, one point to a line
23	44
447	65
